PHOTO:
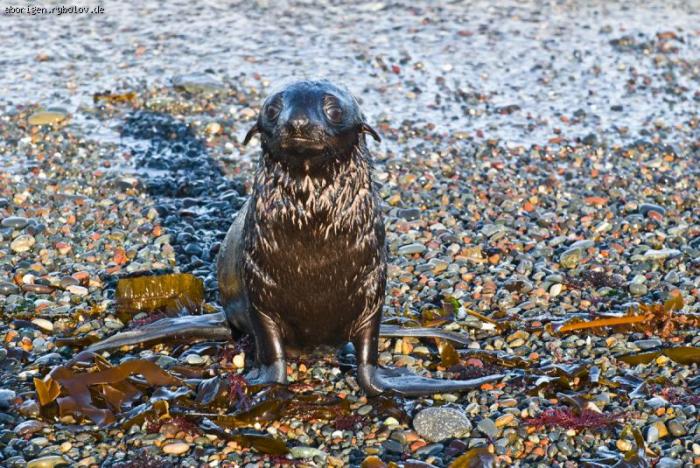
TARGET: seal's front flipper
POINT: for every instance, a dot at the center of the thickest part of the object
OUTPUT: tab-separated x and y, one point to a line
209	326
395	331
399	381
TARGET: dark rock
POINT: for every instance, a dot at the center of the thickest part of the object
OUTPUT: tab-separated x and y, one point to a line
14	222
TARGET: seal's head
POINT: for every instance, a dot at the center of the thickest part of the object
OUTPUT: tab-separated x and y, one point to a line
309	122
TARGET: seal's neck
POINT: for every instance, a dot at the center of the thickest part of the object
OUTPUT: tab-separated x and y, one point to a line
304	198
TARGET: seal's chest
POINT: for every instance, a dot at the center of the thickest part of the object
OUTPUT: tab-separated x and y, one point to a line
312	280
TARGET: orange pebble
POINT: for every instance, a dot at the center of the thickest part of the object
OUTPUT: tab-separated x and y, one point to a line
417	445
27	344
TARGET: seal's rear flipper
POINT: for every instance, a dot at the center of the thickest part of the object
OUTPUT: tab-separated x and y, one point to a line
403	382
209	326
395	331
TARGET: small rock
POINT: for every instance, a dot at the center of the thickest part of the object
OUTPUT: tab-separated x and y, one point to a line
555	290
570	258
519	285
14	222
239	361
582	244
213	128
392	446
391	421
7	288
47	462
656	431
656	402
29	409
649	344
504	420
490	230
623	445
307	452
194	359
373	461
29	427
7	398
40	441
661	254
176	448
47	117
411	249
198	83
645	208
50	359
488	427
77	290
409	214
247	113
22	243
677	428
668	462
431	449
44	324
637	289
435	424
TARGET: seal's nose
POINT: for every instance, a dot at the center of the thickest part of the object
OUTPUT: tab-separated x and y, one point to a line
298	122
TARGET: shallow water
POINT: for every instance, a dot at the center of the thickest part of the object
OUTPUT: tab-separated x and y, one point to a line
458	65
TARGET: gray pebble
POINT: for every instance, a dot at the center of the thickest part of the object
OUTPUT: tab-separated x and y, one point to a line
7	288
14	222
411	249
307	452
583	244
645	208
392	446
430	449
409	214
648	344
488	428
570	258
6	398
677	428
637	289
667	462
661	254
435	424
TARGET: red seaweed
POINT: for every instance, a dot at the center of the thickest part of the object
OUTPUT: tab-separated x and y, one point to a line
237	386
568	419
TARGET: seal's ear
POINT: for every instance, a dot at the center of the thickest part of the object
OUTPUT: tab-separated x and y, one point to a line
365	128
250	134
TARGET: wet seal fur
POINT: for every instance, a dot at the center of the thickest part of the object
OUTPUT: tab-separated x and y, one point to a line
304	261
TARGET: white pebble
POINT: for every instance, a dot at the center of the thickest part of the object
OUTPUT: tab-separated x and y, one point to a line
44	324
176	448
77	290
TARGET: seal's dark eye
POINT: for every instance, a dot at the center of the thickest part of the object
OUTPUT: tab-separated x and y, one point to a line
273	109
332	109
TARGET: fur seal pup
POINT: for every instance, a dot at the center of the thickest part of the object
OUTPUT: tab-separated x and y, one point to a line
304	262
